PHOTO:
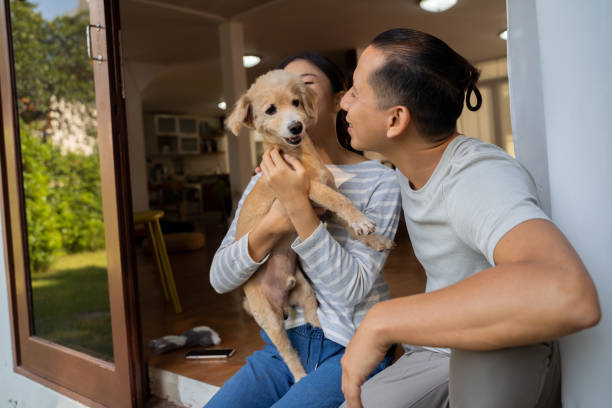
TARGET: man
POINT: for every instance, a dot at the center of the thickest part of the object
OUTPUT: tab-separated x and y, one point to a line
502	280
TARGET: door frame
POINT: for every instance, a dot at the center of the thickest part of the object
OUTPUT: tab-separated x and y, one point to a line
90	380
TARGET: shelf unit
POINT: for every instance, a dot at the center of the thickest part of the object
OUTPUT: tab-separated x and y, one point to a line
176	134
185	144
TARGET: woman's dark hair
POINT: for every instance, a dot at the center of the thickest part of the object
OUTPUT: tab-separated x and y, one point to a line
338	84
424	74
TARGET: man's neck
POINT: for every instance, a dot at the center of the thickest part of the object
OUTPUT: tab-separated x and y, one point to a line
417	159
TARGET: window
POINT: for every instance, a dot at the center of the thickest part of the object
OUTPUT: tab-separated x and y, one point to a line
64	203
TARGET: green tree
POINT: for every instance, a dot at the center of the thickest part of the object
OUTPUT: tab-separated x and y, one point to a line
50	60
62	191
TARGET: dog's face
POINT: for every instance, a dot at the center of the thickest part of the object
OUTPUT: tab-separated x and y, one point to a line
278	105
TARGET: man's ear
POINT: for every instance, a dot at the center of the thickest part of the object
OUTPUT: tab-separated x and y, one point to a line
397	121
242	115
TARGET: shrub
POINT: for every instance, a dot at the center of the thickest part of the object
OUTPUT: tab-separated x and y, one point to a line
44	237
63	199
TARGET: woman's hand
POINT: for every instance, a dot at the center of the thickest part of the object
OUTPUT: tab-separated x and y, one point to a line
320	211
289	182
285	175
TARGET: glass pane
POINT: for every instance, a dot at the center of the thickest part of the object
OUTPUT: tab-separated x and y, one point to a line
61	175
188	126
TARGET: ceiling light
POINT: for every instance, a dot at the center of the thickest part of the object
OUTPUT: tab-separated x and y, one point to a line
504	35
250	60
222	105
435	6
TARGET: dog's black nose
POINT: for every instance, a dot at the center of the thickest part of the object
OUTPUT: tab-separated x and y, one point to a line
295	127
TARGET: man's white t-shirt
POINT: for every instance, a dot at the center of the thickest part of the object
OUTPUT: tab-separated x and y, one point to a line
476	194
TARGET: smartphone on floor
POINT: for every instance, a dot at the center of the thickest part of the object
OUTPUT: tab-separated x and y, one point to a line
209	353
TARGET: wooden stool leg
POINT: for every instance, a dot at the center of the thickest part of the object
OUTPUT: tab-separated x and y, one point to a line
156	252
167	268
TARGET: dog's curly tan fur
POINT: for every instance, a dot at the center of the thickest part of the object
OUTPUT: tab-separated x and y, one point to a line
279	106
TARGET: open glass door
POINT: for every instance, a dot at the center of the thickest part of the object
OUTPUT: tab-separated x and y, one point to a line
67	206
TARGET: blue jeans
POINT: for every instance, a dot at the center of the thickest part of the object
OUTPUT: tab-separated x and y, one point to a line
265	381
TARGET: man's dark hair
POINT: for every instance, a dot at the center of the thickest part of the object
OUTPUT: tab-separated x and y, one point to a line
338	84
422	73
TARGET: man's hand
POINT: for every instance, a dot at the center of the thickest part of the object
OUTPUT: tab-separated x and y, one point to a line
362	355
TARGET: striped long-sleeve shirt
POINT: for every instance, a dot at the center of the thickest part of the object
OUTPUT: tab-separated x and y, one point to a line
345	274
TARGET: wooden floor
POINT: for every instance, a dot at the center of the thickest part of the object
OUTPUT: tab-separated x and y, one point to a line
224	313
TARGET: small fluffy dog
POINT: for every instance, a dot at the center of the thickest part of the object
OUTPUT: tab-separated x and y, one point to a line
279	106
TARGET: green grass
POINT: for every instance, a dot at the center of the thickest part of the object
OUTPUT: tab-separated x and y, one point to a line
71	304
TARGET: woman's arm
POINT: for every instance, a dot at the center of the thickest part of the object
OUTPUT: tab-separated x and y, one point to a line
290	185
235	261
345	273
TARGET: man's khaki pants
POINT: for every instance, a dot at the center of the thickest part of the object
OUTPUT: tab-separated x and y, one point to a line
518	377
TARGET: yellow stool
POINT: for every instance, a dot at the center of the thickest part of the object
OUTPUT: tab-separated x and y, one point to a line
151	219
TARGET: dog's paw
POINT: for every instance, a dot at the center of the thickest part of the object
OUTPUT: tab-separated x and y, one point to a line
362	226
377	242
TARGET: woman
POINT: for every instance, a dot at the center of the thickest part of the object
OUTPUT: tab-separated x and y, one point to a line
344	273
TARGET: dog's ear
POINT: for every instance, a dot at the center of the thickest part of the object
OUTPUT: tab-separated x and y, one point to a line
309	100
242	115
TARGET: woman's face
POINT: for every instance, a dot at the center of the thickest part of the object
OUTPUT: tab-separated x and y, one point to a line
327	102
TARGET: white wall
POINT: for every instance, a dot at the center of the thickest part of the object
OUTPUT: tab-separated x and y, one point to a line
14	387
560	60
526	100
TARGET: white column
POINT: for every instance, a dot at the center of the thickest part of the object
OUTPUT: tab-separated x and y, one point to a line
136	78
560	58
234	85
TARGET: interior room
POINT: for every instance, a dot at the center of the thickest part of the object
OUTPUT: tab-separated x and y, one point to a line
175	83
119	181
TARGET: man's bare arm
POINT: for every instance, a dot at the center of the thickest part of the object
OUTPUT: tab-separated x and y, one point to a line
538	291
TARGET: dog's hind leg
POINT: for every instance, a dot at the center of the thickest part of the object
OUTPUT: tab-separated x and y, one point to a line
270	319
304	296
274	326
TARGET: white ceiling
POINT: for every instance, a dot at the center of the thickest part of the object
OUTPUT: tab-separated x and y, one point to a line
180	37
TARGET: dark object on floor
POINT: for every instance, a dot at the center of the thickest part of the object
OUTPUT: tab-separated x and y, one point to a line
202	336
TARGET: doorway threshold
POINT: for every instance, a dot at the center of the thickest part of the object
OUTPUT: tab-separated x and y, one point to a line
178	389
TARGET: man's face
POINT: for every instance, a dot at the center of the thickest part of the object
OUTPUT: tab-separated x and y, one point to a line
367	123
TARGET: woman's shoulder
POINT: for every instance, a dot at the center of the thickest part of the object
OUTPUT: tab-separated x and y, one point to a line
369	175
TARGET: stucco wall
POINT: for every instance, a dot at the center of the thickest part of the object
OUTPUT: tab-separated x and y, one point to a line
17	391
561	124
